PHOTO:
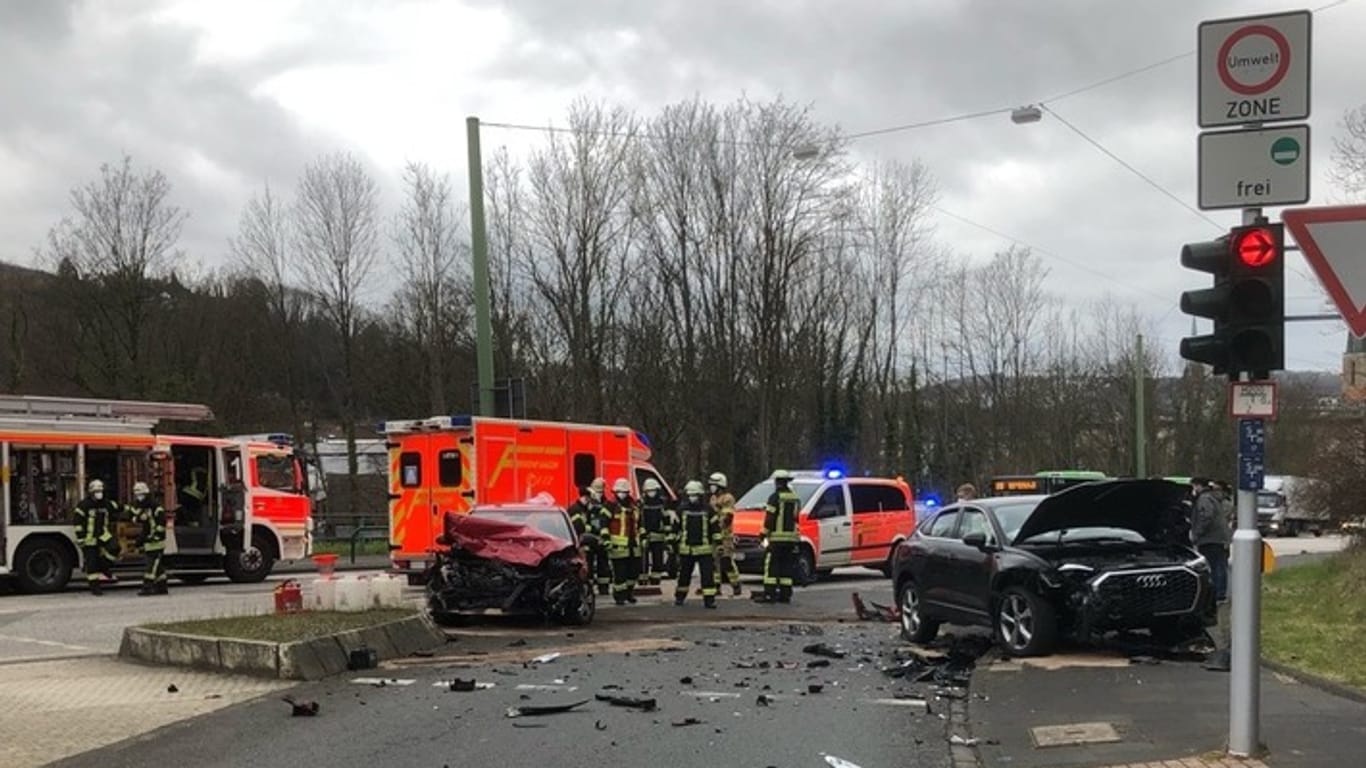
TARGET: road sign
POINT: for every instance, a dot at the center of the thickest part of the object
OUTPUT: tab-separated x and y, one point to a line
1254	69
1251	454
1253	168
1334	243
1249	399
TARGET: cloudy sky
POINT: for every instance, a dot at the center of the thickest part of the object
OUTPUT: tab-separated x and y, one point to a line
226	96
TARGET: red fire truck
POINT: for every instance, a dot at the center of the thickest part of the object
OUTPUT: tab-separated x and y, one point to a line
451	463
234	506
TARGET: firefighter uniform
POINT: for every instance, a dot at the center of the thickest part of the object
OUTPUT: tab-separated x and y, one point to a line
152	517
780	528
657	523
623	542
698	534
727	572
586	516
94	519
597	524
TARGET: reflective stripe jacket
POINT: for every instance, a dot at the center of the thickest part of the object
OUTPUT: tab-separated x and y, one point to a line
780	515
623	527
656	519
724	503
699	530
152	518
94	521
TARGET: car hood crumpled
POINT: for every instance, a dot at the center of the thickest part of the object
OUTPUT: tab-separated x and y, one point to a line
503	541
1151	508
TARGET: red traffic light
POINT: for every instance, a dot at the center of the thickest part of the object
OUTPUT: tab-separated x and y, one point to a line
1256	247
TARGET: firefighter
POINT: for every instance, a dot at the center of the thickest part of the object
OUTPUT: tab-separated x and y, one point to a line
657	527
724	503
597	525
152	517
623	542
699	533
94	518
780	534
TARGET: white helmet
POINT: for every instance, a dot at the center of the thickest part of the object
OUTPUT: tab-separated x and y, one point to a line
693	488
782	475
140	490
650	485
596	488
95	486
621	486
717	479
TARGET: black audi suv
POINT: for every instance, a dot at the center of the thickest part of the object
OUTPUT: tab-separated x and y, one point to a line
1094	558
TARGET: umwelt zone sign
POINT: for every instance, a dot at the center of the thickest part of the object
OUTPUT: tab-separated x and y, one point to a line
1254	69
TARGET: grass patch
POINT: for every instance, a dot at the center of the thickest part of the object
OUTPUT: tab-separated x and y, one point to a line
342	547
1314	616
284	628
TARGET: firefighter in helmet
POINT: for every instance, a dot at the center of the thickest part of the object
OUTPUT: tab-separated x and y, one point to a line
152	517
597	525
727	572
780	535
699	533
94	519
623	541
657	525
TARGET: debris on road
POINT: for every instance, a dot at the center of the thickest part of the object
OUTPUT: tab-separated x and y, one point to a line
685	681
764	700
518	643
686	722
814	688
545	658
821	649
816	663
874	613
839	762
300	708
962	742
630	702
532	710
464	686
804	629
600	725
172	689
423	654
528	725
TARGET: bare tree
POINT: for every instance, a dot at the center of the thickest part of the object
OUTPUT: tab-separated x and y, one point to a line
122	239
337	236
265	246
426	233
1349	154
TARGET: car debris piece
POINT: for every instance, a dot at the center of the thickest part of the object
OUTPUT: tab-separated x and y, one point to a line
172	689
685	681
821	649
545	658
686	722
962	742
814	688
528	725
462	686
873	611
600	725
518	643
301	708
764	700
804	629
817	663
531	710
744	664
839	762
630	702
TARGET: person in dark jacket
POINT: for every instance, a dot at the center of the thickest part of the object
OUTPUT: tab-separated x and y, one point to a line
152	517
94	519
1211	536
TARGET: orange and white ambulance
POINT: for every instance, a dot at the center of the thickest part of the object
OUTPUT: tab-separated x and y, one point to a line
233	505
452	463
843	521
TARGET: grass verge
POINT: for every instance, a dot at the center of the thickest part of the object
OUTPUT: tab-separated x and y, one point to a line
342	547
1314	616
284	628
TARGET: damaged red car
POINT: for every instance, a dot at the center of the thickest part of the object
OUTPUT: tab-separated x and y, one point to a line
517	559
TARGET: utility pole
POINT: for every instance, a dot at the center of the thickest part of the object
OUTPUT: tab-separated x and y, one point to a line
479	253
1140	412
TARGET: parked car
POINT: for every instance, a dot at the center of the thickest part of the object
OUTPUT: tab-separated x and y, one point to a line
1091	559
515	558
843	521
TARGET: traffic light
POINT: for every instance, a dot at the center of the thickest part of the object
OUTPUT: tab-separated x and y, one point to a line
1246	303
1257	299
1211	256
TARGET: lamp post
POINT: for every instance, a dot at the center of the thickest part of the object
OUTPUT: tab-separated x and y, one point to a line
479	254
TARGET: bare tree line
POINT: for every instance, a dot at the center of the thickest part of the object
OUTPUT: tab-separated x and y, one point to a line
729	279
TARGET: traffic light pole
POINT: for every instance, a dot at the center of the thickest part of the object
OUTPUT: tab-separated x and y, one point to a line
1245	594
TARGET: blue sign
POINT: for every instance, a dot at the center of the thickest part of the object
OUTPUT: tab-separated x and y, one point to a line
1251	454
1251	473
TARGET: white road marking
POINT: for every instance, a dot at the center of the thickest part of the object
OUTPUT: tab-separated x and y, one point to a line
48	643
381	682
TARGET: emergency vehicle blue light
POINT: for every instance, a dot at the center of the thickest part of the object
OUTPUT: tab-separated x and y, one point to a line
645	441
461	420
834	473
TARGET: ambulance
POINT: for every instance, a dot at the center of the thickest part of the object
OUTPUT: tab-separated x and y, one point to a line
233	505
843	521
453	463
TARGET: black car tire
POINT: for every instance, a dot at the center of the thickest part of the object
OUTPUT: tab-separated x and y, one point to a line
804	571
582	616
914	626
1025	624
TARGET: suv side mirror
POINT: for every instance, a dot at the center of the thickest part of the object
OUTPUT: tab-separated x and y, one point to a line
976	539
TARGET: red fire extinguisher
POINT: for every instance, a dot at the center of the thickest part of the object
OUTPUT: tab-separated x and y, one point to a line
289	597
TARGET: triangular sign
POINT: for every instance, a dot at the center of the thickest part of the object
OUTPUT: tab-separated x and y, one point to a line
1334	243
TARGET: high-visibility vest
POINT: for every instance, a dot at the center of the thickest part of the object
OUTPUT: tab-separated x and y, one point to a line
780	515
699	531
92	521
153	519
622	527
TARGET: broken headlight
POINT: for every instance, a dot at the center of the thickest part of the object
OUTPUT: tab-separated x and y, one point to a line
1066	572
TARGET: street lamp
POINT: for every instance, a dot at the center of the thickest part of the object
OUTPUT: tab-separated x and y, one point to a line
1026	114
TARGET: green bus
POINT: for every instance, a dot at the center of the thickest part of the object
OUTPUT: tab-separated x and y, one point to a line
1045	482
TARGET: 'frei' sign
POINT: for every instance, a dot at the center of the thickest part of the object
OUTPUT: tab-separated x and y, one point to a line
1254	69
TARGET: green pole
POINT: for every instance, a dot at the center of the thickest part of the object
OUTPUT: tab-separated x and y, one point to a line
1140	417
479	252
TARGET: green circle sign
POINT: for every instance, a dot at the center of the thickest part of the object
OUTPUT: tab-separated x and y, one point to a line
1285	151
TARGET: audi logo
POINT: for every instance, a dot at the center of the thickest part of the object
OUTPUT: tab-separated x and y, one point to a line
1152	581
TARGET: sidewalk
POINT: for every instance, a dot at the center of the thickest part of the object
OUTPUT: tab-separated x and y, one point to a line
1171	711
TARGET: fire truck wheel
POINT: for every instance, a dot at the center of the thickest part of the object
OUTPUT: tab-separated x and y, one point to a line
253	564
43	564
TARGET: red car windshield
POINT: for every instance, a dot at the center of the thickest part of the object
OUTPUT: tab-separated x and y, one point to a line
551	522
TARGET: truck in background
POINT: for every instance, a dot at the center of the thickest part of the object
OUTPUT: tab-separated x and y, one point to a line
1284	509
453	463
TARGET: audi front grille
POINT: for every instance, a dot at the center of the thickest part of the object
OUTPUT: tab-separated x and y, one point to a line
1155	592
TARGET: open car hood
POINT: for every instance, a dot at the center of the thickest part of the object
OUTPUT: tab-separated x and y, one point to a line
503	541
1151	508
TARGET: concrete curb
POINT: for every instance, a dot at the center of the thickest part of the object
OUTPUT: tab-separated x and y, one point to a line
311	659
1323	684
